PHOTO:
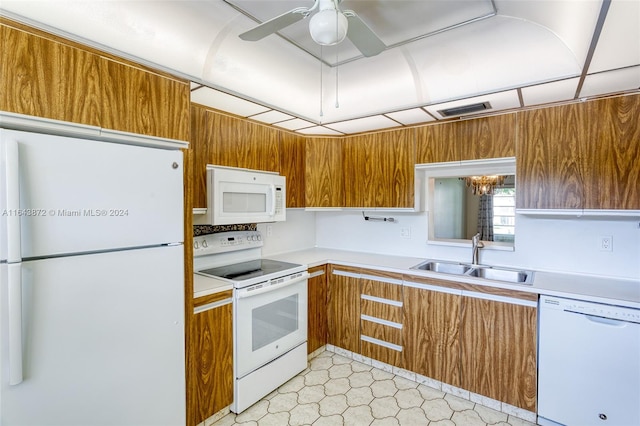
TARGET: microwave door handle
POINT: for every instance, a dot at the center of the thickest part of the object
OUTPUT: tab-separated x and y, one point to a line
272	211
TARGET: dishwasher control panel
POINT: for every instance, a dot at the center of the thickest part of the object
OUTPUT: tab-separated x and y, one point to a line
619	313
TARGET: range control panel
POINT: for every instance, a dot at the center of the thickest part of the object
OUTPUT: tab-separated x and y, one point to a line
224	242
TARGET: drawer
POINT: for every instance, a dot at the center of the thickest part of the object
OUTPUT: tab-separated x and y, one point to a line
381	310
382	332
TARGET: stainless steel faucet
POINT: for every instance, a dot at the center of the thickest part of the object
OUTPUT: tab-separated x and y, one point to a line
475	245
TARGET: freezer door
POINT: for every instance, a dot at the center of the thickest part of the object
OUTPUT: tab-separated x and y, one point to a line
103	341
79	196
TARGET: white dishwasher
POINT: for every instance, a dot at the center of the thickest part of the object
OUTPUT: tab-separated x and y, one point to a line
588	364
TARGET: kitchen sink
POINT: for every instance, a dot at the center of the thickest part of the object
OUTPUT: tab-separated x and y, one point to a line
444	267
498	274
515	276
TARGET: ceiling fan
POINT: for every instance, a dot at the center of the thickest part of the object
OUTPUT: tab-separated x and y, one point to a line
328	26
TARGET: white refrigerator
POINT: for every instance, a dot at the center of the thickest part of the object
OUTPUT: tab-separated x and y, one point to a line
91	282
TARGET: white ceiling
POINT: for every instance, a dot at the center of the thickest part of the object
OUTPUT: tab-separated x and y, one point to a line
530	52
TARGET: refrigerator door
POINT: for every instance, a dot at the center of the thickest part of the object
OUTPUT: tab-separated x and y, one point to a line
78	196
103	341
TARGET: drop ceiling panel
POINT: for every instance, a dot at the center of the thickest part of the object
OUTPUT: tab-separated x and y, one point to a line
489	56
363	124
319	130
498	101
225	102
271	117
611	82
410	116
619	42
555	91
295	124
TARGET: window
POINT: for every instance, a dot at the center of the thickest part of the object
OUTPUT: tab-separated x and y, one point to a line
504	214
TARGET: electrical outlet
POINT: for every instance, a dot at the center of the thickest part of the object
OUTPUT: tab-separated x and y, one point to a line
269	230
606	243
405	232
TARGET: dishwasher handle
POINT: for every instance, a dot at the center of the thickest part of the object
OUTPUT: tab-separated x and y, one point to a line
607	321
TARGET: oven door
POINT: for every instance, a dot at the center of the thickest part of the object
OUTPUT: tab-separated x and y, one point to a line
269	321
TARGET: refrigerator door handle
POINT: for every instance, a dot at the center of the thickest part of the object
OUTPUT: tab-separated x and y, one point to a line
14	213
15	323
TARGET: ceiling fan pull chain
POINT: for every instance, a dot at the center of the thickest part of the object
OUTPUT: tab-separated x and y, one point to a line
320	61
337	64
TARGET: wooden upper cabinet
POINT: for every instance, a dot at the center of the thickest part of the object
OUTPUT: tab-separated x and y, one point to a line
45	78
548	171
437	143
611	167
480	138
241	143
488	137
323	173
139	101
292	160
228	141
580	156
379	169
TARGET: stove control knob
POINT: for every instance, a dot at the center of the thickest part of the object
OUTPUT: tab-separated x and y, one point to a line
259	237
204	244
196	245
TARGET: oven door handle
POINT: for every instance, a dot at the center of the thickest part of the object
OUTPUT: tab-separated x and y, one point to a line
246	293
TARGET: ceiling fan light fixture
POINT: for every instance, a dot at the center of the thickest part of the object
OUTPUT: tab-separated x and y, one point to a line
328	27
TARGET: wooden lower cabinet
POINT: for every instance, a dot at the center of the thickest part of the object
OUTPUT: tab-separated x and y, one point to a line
431	332
343	307
317	308
210	358
498	350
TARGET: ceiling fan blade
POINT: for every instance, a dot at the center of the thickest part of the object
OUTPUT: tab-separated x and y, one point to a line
275	24
362	36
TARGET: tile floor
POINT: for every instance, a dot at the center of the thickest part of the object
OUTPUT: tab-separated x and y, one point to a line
336	390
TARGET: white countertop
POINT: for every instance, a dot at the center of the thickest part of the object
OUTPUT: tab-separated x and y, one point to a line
204	286
615	291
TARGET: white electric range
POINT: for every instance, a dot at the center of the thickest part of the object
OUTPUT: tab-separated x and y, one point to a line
269	311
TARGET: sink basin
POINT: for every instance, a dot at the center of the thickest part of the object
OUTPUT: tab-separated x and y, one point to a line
444	267
515	276
507	275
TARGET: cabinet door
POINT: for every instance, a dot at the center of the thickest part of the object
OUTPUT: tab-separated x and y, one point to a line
210	371
437	143
611	167
498	350
381	316
292	157
45	78
379	169
317	308
431	332
139	101
488	137
344	308
548	158
323	173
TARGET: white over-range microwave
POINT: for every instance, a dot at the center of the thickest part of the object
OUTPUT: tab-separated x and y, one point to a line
237	196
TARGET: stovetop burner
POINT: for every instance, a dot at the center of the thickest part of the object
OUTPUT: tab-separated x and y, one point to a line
248	270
